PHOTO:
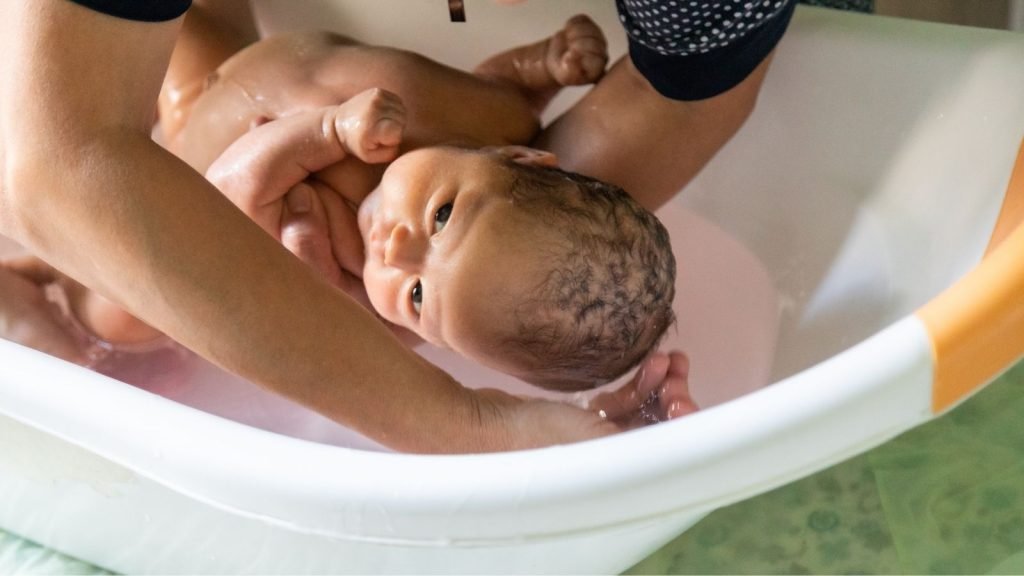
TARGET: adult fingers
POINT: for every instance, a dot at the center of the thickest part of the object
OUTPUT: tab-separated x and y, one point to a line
259	168
304	231
674	395
343	231
627	400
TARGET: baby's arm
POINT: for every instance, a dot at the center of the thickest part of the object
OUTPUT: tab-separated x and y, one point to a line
259	169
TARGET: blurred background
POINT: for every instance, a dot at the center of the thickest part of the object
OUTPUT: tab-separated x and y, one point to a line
1004	14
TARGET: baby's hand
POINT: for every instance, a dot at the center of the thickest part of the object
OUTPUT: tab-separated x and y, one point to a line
371	124
659	391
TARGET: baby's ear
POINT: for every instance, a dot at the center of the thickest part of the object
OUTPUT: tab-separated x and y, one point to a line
529	156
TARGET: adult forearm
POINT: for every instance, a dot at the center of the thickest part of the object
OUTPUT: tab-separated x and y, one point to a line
624	132
85	188
158	239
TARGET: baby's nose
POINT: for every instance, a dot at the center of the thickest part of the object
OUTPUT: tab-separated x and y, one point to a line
405	249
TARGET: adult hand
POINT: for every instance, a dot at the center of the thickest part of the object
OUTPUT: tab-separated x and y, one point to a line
267	174
658	391
322	231
261	167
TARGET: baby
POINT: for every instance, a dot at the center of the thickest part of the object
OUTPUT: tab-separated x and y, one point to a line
458	233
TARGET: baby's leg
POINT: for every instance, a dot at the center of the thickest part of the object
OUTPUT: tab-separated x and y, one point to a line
100	317
575	55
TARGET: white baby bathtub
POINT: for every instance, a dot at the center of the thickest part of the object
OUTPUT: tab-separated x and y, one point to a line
865	257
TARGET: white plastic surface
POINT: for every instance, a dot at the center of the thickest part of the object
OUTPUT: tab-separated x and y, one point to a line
866	181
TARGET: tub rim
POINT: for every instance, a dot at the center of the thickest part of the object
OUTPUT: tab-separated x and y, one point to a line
441	499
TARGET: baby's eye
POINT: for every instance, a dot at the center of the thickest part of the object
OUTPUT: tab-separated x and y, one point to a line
442	216
417	297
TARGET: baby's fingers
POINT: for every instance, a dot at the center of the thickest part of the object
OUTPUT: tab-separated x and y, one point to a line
373	125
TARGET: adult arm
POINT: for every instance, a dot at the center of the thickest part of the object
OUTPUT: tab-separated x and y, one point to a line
85	188
689	83
623	131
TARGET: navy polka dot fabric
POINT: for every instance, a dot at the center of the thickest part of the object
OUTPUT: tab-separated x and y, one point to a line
684	27
697	49
852	5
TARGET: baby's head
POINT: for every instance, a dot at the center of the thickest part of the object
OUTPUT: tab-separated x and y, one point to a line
555	278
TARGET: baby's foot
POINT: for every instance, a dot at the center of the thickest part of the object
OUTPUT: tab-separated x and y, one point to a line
576	54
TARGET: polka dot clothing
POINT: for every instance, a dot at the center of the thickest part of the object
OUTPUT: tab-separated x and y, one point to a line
852	5
697	49
142	10
682	27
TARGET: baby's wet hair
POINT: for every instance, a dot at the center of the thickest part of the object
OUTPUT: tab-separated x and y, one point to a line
604	301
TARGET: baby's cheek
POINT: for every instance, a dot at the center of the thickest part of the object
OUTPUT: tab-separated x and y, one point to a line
382	292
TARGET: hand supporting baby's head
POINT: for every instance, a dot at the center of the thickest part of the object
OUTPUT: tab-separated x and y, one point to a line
605	299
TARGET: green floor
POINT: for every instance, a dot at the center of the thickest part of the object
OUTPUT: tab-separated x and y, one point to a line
945	498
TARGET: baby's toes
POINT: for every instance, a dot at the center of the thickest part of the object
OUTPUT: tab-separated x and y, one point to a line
581	31
587	67
578	68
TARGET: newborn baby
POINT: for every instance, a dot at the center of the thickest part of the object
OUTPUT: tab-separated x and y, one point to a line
457	232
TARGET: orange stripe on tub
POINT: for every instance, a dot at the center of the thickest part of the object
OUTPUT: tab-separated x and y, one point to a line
1012	212
977	325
